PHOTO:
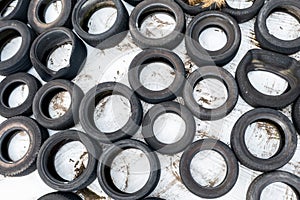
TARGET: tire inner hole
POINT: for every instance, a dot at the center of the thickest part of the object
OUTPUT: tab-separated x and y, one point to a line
18	145
169	128
268	83
279	190
213	38
208	168
60	57
210	93
112	113
18	95
59	104
50	11
239	4
7	7
10	44
130	170
71	160
263	139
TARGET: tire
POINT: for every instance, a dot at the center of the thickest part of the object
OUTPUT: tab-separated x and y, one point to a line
46	157
231	162
296	115
18	13
42	100
60	196
146	8
202	56
8	85
104	168
262	181
160	109
26	164
243	15
194	10
48	42
37	9
269	41
288	140
20	62
107	39
215	73
154	198
156	55
271	62
133	2
94	96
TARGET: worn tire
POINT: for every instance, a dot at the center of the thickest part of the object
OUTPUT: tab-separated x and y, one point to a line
18	13
296	115
60	196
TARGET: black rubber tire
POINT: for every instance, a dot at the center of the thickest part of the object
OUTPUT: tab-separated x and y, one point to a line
133	2
42	100
46	157
272	62
146	8
288	142
8	130
269	41
156	55
37	10
60	196
231	175
296	114
202	56
109	38
243	15
104	168
153	198
18	13
262	181
8	85
160	109
46	43
194	10
215	73
20	62
94	96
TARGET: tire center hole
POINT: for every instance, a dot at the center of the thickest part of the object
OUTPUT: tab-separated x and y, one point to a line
112	113
60	57
239	4
71	160
208	168
278	190
169	128
268	83
11	47
59	104
210	93
51	11
130	170
18	95
213	38
263	139
6	9
18	145
157	76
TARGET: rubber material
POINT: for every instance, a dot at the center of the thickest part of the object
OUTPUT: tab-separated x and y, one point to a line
46	43
9	129
154	198
202	56
146	8
231	162
210	72
194	10
19	12
261	182
133	2
160	109
104	169
60	196
37	10
109	38
46	158
151	56
281	65
243	15
8	85
19	62
265	38
296	114
94	96
43	98
288	142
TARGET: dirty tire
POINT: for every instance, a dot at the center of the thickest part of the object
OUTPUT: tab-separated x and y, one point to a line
46	158
8	130
296	115
262	181
194	10
46	43
156	55
60	196
160	109
8	85
104	168
144	9
94	96
18	13
20	62
43	98
231	162
288	140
